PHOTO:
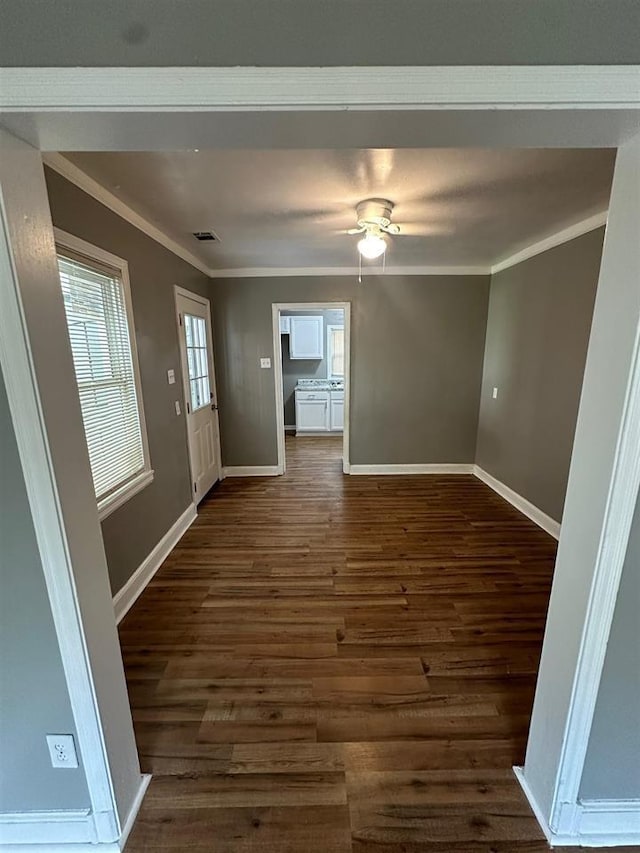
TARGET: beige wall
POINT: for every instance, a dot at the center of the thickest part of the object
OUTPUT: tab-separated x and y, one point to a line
537	334
133	530
416	364
31	666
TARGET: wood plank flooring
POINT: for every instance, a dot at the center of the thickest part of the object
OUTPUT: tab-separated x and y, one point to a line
331	664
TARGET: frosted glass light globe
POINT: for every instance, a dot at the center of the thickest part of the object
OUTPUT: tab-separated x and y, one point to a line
372	246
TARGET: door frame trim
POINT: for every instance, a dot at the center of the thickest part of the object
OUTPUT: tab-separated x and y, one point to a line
178	292
328	305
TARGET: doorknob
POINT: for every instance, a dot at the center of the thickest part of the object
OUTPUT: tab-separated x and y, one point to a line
214	407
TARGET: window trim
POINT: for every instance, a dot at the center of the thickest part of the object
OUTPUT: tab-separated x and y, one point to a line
330	328
128	489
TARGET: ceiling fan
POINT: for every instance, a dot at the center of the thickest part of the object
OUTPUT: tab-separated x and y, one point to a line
373	216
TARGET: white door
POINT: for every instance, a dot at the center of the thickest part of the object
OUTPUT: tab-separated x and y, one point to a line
201	408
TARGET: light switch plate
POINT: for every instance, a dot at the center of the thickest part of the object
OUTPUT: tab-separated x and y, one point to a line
495	394
265	362
177	406
171	377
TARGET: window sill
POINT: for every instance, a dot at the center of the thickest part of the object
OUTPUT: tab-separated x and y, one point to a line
117	499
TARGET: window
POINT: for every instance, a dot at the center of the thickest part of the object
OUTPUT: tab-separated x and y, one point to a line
195	330
95	288
335	351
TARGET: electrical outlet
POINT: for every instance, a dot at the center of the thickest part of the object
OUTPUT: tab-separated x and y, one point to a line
265	362
62	751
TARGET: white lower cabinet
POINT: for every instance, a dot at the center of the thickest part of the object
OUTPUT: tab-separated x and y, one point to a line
319	411
312	412
336	414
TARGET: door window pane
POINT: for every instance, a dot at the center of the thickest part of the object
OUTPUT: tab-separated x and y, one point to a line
197	361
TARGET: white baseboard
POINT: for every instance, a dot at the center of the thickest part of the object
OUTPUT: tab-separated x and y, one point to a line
124	599
532	512
589	823
63	831
252	471
417	468
145	780
609	823
535	808
40	827
53	847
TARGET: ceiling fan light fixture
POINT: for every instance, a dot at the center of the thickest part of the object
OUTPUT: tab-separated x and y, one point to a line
372	246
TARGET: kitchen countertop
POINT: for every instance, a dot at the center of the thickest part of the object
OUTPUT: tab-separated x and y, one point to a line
321	385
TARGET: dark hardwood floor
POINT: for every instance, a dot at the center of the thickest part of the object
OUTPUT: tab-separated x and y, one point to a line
328	664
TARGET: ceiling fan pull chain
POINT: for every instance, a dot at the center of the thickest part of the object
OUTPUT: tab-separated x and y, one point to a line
359	268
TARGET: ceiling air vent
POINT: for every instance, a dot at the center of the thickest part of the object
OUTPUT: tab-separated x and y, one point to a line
206	236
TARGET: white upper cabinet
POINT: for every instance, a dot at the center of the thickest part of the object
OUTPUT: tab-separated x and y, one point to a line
306	337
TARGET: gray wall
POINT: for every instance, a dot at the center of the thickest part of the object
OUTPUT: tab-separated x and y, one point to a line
416	364
612	767
134	529
331	32
300	368
34	700
537	334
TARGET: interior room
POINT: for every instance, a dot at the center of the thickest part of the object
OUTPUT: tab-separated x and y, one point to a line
328	400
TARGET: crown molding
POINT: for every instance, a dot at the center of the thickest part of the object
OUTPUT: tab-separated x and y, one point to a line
557	239
89	185
367	272
384	87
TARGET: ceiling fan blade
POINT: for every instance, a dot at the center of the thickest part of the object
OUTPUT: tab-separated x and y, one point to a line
355	231
392	229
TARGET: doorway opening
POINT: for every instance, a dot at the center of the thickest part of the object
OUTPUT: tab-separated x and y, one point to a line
311	345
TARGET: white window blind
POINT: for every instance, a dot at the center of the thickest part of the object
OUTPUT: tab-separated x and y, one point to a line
96	310
336	351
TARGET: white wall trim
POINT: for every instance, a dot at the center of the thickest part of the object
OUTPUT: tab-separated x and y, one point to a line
565	235
100	193
125	598
412	468
616	528
535	807
69	826
609	823
32	438
145	781
53	847
251	471
387	87
589	823
276	308
373	272
550	525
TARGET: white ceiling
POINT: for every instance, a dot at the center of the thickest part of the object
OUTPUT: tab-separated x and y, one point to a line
291	208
